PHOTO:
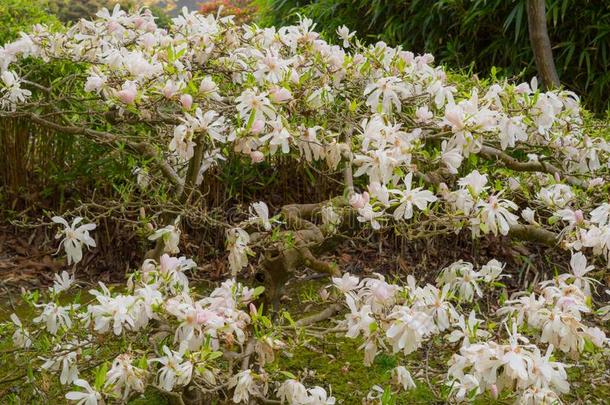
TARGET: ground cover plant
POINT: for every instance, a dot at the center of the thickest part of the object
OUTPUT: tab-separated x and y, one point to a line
410	148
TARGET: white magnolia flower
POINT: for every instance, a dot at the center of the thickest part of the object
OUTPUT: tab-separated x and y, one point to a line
67	361
244	386
491	271
385	94
237	245
271	66
318	396
62	282
259	212
359	319
572	217
345	35
175	370
182	142
87	397
451	156
368	214
423	114
123	376
495	215
293	392
557	195
346	283
475	182
12	93
74	238
529	215
512	130
463	279
402	377
469	330
170	235
409	198
55	317
208	88
601	214
358	201
408	328
21	337
578	264
251	102
95	82
279	137
209	122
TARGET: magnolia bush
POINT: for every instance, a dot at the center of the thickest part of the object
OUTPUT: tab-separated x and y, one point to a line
421	151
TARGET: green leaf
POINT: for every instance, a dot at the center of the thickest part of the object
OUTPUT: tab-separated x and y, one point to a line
288	317
258	290
143	362
288	374
100	376
214	355
251	120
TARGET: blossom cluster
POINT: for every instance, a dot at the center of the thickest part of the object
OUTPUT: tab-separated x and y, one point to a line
207	82
195	334
402	317
497	159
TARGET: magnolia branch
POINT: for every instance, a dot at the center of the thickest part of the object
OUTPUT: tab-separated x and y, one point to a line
530	166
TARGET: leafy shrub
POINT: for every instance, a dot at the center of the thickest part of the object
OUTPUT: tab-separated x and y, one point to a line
437	154
480	34
16	15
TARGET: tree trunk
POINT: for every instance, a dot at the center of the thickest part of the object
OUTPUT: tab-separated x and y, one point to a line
541	44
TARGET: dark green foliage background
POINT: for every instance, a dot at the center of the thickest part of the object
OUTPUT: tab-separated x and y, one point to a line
475	34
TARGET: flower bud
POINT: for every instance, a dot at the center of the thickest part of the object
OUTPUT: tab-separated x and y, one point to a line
112	26
169	89
280	95
127	95
257	126
494	391
423	114
294	76
187	101
257	156
523	88
151	26
359	201
137	22
148	40
513	184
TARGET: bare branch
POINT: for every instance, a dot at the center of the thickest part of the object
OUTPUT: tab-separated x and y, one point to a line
530	166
